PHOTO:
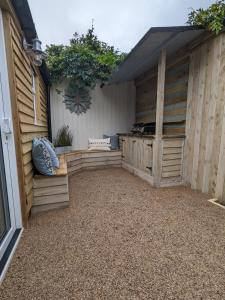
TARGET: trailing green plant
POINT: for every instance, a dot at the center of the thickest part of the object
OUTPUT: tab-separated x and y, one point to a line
85	62
64	137
211	18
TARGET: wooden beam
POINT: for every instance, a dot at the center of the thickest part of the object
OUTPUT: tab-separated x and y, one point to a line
157	158
211	114
199	111
160	93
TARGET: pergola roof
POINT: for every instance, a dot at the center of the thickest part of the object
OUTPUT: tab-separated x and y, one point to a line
145	54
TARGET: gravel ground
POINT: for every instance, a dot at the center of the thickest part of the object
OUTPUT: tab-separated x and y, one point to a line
122	239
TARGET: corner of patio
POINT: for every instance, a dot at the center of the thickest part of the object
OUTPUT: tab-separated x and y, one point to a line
120	238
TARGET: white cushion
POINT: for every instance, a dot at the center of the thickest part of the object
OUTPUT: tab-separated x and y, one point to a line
99	144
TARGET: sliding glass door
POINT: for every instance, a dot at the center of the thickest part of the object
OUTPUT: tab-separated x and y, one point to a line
10	212
5	222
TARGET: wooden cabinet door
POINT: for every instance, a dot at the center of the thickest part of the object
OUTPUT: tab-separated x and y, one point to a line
148	155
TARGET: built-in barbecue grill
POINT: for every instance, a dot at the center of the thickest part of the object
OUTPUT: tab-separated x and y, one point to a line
143	128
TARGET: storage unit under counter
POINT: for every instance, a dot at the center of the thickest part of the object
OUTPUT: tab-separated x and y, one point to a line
138	158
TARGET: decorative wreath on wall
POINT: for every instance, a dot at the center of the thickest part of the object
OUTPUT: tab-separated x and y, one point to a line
76	99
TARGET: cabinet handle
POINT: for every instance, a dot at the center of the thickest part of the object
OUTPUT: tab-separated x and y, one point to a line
150	168
123	140
150	145
134	141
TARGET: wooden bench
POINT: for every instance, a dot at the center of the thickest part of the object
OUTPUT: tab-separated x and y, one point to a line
87	160
51	192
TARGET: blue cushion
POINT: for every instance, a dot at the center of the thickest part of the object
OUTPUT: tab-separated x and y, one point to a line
114	139
51	150
41	158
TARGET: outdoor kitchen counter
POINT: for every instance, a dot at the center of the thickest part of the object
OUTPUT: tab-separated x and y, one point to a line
138	156
148	136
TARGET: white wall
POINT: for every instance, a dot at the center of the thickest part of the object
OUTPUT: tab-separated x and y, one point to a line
112	111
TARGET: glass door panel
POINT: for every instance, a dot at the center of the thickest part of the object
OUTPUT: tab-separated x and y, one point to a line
4	207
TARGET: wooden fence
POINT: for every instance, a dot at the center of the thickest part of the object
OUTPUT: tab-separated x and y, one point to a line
205	128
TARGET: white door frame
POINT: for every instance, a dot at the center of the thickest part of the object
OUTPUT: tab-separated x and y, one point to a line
9	151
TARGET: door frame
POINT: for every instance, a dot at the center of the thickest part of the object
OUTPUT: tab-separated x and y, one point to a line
9	149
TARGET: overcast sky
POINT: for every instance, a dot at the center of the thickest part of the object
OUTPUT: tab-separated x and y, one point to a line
121	23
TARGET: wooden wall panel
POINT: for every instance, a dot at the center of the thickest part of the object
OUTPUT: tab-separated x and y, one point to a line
204	150
146	92
175	102
172	159
21	90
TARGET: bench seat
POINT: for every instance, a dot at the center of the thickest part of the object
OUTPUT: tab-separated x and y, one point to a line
95	159
51	192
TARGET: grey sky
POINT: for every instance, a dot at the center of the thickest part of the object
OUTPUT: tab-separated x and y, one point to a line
121	23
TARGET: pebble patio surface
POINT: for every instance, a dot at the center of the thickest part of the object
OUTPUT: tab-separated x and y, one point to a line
121	239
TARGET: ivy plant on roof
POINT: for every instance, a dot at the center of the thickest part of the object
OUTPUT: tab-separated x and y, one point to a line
211	18
85	62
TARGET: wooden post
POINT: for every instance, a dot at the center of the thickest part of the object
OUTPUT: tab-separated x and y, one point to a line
157	151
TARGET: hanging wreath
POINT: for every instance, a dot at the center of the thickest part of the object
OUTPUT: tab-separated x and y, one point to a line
77	99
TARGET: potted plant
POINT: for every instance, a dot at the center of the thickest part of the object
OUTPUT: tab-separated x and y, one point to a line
64	140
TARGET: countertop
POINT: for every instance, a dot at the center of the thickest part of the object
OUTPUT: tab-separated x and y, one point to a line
171	136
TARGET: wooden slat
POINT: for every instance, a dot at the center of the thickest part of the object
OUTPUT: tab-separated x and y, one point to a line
173	144
171	168
27	147
25	119
172	150
172	156
89	154
29	202
27	158
27	168
172	162
29	177
102	159
159	118
75	168
211	116
198	125
25	100
41	181
25	109
21	87
26	128
29	187
52	190
171	174
100	163
43	200
207	99
28	137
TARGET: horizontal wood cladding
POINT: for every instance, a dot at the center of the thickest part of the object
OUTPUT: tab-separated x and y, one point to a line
146	99
50	193
175	102
28	129
172	159
92	160
204	151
